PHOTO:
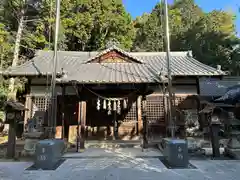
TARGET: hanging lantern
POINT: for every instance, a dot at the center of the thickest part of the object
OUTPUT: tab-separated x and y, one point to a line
104	104
114	105
119	107
109	107
98	104
124	104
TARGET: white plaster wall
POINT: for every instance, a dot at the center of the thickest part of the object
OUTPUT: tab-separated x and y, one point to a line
180	90
44	90
70	90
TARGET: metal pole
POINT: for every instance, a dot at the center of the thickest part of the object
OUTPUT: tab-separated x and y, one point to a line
54	72
167	43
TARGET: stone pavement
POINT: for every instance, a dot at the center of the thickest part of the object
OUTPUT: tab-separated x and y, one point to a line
115	152
121	164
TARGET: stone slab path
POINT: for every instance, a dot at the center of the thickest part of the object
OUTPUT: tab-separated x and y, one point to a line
122	164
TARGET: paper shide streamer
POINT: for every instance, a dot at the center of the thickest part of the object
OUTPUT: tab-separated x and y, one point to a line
111	104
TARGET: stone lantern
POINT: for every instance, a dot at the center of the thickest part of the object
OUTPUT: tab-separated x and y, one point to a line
214	123
233	146
34	132
14	114
214	133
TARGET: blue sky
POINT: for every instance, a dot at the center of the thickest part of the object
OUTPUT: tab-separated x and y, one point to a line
138	7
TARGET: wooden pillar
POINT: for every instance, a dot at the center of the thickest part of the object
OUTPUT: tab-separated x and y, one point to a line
78	126
11	147
165	104
28	103
138	115
63	110
198	85
82	121
144	119
115	129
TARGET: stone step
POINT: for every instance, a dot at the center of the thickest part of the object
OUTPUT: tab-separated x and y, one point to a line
112	144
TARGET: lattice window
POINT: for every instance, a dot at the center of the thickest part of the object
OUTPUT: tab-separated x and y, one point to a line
179	99
132	114
155	110
40	104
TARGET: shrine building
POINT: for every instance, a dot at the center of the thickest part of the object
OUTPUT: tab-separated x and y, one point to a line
109	93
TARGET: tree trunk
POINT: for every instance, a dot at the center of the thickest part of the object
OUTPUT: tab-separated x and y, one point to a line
12	91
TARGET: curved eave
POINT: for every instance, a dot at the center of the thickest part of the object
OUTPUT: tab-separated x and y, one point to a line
107	82
15	75
33	75
199	75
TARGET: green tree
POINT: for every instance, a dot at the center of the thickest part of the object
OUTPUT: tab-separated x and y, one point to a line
85	25
139	24
6	43
150	32
182	17
234	64
211	36
90	24
5	54
184	14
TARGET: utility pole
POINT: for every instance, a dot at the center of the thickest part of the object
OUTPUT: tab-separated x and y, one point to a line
54	73
167	43
12	92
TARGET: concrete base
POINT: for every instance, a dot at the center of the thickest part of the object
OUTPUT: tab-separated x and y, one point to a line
30	146
235	153
233	143
31	139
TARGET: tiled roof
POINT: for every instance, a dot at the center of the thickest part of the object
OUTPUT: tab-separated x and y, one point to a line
111	73
16	105
215	87
77	68
181	64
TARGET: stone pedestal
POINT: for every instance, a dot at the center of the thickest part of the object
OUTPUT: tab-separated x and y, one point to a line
31	140
214	131
233	146
234	143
